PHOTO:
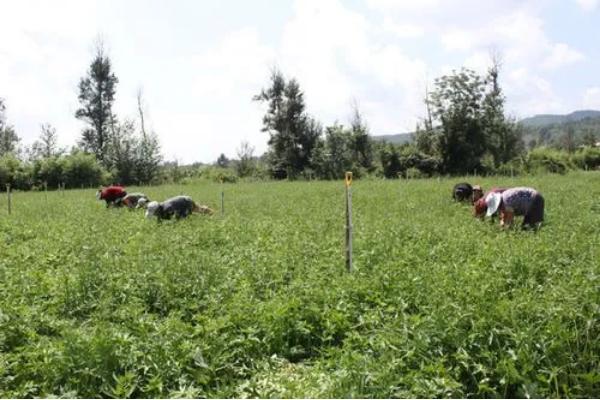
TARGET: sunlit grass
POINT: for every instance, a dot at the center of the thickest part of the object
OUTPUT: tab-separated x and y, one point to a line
98	302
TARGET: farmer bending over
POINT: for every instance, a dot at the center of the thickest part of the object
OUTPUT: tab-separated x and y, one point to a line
180	206
519	201
112	195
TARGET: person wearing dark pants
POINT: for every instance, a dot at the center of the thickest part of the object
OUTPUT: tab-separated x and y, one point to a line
178	206
519	201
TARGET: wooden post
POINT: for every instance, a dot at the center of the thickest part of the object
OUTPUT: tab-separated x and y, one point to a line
8	197
349	221
46	190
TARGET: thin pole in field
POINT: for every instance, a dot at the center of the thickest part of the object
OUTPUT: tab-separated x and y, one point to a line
46	190
8	196
222	198
349	221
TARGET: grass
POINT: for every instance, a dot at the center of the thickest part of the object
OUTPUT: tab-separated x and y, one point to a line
257	303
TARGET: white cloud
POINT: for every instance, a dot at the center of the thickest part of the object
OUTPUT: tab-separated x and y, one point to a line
405	5
591	98
531	94
199	80
561	55
403	30
459	39
336	55
587	5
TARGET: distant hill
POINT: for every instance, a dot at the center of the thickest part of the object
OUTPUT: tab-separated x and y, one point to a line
541	120
544	128
398	138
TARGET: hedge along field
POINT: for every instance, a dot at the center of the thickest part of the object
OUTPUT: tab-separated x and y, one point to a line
98	302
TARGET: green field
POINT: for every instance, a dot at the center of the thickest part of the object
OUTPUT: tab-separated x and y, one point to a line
102	303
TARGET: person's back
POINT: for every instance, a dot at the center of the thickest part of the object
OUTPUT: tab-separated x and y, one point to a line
518	200
132	199
180	206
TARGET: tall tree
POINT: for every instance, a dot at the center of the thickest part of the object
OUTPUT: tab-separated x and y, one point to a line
335	154
96	97
121	152
293	135
148	155
456	104
362	145
47	144
8	137
246	164
503	139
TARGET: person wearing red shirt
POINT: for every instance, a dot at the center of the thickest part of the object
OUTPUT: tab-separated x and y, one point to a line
111	194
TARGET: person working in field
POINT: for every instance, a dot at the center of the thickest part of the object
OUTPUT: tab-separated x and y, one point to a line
519	201
134	200
478	192
179	206
462	191
112	195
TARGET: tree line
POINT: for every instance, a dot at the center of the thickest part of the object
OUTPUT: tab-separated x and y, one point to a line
465	130
110	150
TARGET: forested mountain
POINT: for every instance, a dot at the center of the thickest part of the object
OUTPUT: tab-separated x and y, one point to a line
550	119
398	138
567	130
563	131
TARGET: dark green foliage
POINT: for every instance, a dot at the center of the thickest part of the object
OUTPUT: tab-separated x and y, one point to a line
361	143
503	137
246	164
587	158
389	157
96	96
456	105
293	134
567	135
83	170
222	161
335	154
122	153
8	137
548	160
15	173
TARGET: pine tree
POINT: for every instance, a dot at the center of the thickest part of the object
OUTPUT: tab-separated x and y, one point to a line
293	135
96	96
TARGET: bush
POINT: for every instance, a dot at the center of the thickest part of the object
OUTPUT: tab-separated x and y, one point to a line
216	174
15	172
82	169
588	158
543	159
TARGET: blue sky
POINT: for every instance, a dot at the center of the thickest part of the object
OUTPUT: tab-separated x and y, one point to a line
199	63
